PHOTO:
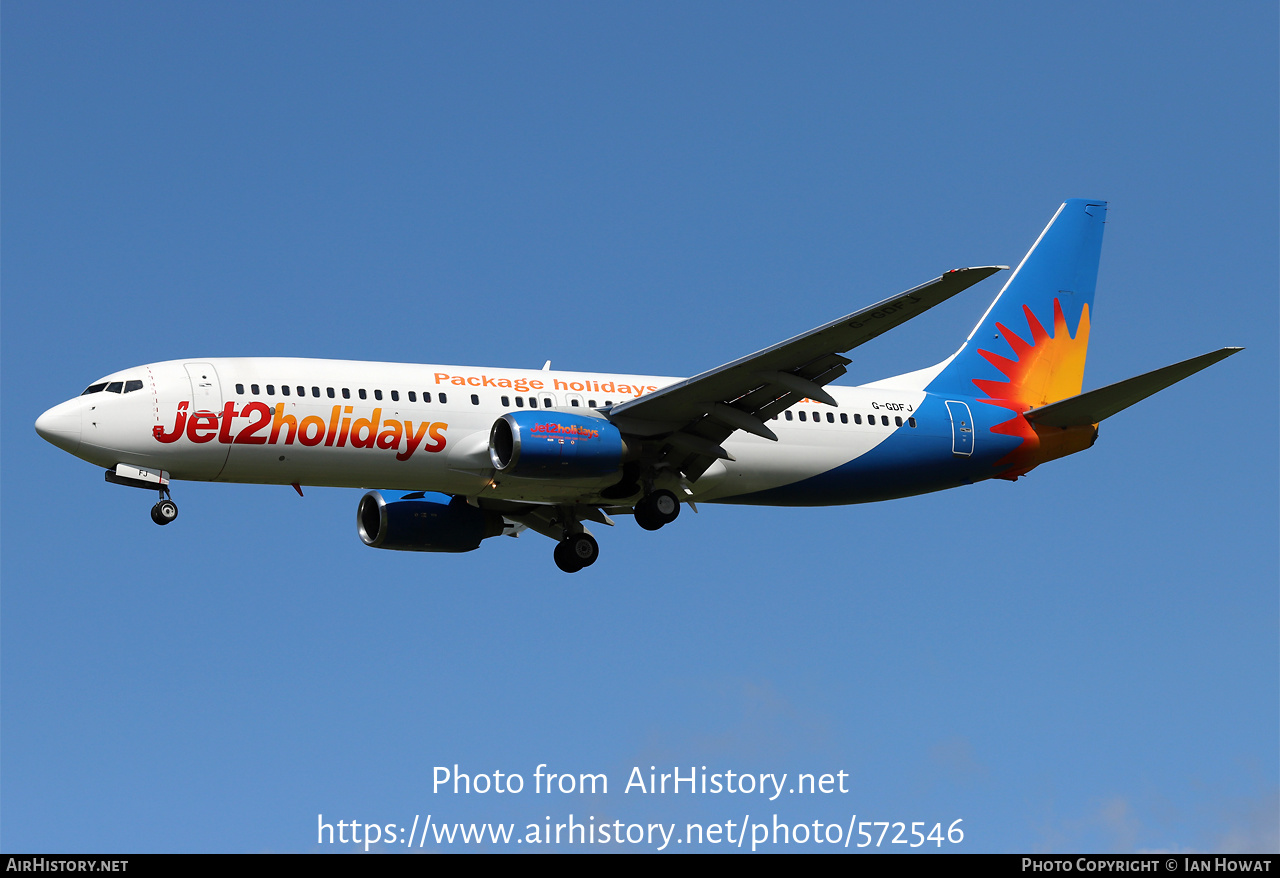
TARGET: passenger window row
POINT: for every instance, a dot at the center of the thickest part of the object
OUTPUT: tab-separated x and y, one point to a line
844	418
332	393
532	402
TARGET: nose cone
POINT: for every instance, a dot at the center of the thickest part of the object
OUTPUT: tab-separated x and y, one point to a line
60	426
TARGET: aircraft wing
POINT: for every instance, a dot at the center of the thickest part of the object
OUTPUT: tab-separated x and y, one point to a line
694	416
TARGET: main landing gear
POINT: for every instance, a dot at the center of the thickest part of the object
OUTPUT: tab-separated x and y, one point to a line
576	551
657	509
166	510
577	548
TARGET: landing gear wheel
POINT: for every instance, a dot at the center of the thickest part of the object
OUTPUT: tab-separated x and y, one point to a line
666	505
645	517
575	552
164	512
656	509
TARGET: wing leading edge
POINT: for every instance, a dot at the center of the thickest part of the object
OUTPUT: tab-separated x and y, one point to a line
694	416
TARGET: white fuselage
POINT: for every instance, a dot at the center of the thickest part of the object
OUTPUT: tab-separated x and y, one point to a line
419	427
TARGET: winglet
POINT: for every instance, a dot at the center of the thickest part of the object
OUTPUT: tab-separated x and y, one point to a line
1095	405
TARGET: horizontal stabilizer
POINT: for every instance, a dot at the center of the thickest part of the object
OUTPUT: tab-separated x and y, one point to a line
1092	407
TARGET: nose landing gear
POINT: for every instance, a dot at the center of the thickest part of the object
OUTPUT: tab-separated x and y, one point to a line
149	480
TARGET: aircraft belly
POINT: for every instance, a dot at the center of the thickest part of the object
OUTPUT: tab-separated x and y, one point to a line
759	468
332	468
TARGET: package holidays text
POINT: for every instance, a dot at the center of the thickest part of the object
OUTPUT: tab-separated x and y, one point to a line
524	385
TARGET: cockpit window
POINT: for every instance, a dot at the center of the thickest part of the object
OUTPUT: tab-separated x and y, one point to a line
94	388
115	387
131	386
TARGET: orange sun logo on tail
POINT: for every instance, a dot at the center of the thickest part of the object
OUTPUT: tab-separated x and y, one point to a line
1045	370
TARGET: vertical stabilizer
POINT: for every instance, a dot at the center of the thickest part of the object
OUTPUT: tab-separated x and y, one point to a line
1029	348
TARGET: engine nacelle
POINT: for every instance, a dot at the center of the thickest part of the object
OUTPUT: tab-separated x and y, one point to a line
424	522
555	445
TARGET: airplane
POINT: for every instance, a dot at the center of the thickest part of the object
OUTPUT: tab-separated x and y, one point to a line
480	452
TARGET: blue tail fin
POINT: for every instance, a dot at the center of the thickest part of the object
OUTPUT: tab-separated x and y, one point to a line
1029	348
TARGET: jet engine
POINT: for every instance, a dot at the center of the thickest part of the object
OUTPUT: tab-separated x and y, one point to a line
424	522
555	445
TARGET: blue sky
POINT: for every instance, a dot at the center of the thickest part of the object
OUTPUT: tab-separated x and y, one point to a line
1085	660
